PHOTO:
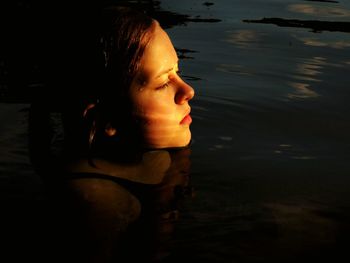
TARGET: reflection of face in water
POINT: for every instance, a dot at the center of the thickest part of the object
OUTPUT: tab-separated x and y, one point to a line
163	206
116	205
159	95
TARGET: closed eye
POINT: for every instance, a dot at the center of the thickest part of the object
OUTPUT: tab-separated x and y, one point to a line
178	72
163	86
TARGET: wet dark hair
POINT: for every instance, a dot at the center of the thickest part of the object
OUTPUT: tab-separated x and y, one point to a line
121	35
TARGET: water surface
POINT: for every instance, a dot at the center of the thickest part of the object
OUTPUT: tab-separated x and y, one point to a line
271	146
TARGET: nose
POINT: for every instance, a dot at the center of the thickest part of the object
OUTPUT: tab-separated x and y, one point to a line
184	92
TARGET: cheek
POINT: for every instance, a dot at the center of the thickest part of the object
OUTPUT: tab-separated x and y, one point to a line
155	113
159	123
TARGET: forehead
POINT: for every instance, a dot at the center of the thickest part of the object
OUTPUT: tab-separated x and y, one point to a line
159	54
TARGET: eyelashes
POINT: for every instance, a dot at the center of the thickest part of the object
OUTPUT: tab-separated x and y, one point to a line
165	85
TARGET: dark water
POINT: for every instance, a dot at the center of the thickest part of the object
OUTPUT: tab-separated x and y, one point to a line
271	145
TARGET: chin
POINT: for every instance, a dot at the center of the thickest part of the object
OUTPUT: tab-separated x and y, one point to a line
185	141
177	141
180	141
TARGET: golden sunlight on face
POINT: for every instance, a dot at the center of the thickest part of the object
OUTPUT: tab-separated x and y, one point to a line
160	97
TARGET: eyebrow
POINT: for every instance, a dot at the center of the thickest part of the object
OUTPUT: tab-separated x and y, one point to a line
166	71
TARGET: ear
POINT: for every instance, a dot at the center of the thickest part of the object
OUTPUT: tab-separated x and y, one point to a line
88	108
109	129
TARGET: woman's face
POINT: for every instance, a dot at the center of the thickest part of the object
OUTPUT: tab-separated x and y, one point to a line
160	97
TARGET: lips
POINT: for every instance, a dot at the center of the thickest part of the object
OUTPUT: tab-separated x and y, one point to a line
187	119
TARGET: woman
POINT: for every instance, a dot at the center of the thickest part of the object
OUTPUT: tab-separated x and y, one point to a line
125	140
